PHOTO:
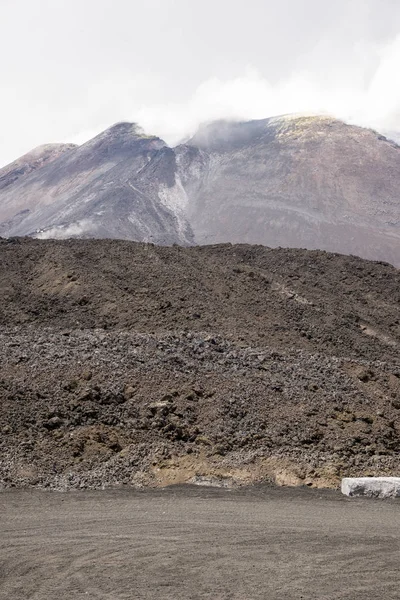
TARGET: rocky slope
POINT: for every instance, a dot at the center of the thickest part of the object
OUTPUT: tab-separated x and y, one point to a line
125	363
310	182
32	161
121	184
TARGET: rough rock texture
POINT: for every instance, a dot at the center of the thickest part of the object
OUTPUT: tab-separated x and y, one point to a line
310	182
372	487
125	363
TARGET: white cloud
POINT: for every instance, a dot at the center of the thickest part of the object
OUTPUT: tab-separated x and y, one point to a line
357	96
382	98
61	232
74	68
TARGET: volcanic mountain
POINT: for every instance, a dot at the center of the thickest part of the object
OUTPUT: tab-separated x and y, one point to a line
121	184
311	182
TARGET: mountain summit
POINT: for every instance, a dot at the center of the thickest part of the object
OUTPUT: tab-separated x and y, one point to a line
312	182
120	184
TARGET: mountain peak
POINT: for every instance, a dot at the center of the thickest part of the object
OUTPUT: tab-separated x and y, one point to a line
292	180
123	137
225	135
229	135
124	128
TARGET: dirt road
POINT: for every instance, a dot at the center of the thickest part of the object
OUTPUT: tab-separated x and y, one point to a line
190	543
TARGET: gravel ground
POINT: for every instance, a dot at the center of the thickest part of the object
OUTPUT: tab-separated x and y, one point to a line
191	543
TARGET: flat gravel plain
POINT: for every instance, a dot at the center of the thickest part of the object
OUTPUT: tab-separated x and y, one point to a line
191	542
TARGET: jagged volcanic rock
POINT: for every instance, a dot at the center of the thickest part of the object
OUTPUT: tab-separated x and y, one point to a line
126	363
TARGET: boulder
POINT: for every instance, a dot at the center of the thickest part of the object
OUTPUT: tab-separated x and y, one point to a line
372	487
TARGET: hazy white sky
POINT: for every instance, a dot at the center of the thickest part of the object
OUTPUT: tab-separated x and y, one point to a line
71	68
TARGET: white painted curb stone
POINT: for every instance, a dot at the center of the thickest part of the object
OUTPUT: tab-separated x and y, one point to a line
372	487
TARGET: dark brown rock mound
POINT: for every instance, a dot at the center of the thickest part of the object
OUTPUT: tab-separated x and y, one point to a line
135	364
251	294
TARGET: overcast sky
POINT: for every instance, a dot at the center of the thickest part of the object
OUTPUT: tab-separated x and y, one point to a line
70	68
